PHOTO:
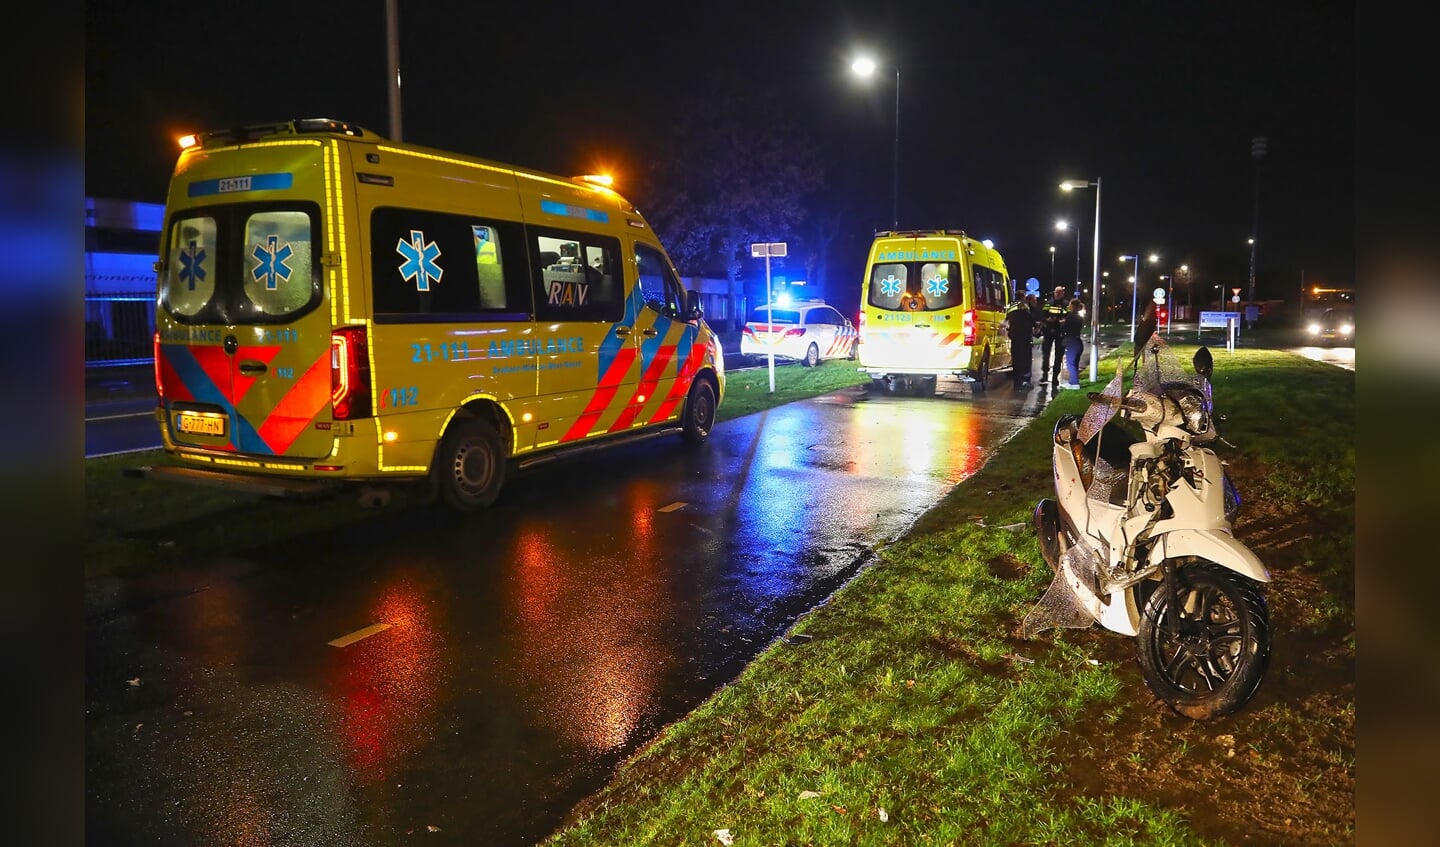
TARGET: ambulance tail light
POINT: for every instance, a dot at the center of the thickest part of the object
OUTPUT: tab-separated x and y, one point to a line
159	385
349	374
748	330
968	328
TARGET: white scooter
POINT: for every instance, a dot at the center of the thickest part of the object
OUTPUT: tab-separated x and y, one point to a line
1140	537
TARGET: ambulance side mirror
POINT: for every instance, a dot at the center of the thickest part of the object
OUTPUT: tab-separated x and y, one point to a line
694	309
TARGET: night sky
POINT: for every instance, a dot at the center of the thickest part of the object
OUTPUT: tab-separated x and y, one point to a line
999	101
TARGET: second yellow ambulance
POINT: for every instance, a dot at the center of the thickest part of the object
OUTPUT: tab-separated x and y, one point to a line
932	303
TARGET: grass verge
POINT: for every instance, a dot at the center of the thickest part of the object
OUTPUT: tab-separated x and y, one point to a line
907	709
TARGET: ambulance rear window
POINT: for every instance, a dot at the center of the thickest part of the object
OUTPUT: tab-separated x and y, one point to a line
916	286
241	264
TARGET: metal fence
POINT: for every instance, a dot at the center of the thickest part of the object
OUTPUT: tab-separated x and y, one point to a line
119	329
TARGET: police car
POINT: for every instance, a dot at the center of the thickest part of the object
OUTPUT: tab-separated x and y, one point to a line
806	331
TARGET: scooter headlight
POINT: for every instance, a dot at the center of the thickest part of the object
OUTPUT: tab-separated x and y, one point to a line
1194	412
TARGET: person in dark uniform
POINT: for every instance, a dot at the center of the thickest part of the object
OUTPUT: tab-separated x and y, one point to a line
1071	332
1051	339
1020	322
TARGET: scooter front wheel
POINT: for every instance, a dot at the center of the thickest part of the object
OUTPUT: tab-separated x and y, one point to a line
1205	658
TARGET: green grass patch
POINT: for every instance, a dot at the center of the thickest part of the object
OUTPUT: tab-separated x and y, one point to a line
748	391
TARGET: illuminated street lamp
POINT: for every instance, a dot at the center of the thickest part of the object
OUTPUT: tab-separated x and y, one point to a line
1062	226
1071	185
1052	267
864	66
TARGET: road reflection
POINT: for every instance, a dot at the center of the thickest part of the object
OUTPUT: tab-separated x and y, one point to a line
591	690
386	684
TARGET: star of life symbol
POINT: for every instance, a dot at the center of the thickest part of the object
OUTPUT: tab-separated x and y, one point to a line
890	286
270	261
419	257
192	259
936	286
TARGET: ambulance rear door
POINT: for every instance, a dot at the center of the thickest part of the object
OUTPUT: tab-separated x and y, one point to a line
244	331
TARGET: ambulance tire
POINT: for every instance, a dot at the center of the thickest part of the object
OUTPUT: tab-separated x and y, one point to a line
812	356
470	467
699	414
982	377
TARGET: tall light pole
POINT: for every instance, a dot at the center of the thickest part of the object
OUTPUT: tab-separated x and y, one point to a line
1134	291
1062	226
1170	298
864	66
392	54
1070	185
1258	147
1052	267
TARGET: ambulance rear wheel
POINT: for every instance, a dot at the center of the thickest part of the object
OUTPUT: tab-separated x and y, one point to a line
699	411
982	376
812	356
470	467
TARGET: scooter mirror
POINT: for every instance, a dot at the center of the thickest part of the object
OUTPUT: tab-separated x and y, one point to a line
1204	362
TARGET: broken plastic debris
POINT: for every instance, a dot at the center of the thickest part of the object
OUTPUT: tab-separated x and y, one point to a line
807	794
1095	662
432	828
724	836
839	810
1019	658
883	815
1015	527
133	683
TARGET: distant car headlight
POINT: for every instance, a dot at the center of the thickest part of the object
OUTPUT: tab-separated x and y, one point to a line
1346	329
1313	329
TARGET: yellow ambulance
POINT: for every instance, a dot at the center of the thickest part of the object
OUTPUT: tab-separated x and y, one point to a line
335	307
933	303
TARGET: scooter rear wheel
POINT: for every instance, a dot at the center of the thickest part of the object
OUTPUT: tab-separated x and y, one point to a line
1206	659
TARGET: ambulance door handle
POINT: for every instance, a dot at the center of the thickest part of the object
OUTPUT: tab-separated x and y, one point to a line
252	366
622	331
650	333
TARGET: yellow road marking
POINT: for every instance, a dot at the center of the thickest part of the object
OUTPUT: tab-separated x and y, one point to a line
359	635
678	504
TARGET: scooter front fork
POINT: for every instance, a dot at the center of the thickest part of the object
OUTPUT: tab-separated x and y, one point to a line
1047	529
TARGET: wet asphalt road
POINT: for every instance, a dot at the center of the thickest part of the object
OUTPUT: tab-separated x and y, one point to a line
501	665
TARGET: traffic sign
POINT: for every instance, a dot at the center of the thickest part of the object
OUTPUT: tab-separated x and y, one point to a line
1159	295
1235	299
761	249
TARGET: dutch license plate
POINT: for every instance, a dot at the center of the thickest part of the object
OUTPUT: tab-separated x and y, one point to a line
200	424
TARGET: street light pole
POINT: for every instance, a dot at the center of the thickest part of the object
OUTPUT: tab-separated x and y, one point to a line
864	66
1134	292
1062	226
1052	267
392	54
1069	185
895	167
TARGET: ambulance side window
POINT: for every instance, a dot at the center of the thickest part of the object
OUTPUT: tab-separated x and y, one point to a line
576	276
658	284
431	266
